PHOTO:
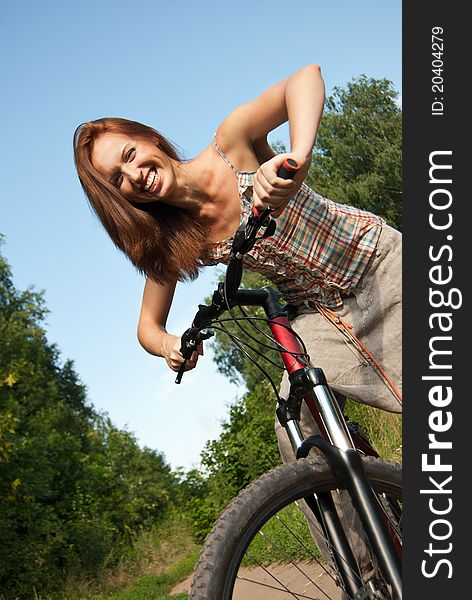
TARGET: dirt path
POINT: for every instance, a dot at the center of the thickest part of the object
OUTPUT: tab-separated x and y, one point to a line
307	579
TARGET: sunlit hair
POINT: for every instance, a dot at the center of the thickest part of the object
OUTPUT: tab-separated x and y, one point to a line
162	241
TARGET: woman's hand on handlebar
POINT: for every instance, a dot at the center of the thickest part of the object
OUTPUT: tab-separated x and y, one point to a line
271	190
173	356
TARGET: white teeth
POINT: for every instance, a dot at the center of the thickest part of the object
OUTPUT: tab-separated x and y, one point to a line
151	180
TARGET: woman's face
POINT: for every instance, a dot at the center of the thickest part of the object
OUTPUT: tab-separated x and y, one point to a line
135	166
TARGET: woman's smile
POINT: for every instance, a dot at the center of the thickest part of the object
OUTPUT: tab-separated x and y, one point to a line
152	181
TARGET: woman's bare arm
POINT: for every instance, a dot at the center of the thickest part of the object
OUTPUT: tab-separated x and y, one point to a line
152	333
298	99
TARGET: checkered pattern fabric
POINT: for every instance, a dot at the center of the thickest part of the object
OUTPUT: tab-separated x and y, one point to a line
319	250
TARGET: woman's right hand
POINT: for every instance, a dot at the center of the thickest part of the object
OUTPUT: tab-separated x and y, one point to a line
270	190
173	356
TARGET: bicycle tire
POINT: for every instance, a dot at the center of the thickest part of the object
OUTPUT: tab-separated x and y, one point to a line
216	570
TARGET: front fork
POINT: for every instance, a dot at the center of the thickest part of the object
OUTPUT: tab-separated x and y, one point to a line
311	385
337	445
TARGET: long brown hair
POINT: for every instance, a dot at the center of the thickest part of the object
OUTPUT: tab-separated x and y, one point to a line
162	241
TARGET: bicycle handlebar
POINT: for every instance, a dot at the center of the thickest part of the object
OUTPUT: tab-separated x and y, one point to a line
244	239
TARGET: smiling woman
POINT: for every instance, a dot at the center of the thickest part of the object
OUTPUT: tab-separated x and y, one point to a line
127	170
172	217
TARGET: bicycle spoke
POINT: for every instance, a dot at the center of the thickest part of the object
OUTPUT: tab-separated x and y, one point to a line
292	563
272	587
392	513
335	554
285	589
304	546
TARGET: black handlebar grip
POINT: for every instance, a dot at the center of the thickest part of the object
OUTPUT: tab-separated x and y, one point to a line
288	169
181	372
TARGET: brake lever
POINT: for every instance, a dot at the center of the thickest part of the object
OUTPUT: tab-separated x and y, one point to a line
190	340
245	236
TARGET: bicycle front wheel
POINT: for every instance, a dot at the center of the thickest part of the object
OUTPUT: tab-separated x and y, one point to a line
262	547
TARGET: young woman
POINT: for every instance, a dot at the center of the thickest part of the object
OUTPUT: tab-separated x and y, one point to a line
330	261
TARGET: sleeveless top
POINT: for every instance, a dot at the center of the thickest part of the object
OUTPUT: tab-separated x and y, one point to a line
319	250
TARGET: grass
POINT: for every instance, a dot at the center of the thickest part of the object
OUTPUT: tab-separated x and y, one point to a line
159	559
149	587
157	587
277	544
383	429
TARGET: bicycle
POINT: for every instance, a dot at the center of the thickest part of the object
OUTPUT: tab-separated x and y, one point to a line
344	463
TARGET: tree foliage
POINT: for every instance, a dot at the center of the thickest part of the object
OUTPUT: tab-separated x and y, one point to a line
246	449
357	158
74	489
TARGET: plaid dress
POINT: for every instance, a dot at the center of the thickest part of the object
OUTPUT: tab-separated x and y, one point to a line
319	251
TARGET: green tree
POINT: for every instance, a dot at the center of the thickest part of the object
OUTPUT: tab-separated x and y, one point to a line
357	158
74	490
246	449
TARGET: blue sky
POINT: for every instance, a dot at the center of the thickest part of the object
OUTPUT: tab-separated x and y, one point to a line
179	66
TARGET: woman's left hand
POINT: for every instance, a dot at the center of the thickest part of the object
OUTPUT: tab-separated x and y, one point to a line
271	190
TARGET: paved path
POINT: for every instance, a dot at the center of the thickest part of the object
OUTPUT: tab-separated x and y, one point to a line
302	579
